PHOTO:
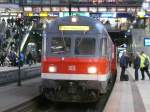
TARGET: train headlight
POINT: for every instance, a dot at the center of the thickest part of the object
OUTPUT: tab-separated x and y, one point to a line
92	70
52	69
74	19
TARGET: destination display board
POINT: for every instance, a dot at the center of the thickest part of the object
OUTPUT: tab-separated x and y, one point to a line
147	41
74	28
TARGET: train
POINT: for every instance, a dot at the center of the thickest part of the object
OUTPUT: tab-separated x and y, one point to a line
78	60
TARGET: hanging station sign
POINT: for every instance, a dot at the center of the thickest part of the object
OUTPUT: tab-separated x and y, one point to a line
63	14
147	41
27	9
103	15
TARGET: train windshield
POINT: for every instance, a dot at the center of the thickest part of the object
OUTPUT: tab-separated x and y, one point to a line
60	45
85	46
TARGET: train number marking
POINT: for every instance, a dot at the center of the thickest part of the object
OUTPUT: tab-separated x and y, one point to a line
72	68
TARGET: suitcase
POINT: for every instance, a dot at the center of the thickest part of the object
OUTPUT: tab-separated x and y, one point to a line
124	77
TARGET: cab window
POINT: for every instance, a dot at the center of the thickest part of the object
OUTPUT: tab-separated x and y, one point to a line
60	45
85	46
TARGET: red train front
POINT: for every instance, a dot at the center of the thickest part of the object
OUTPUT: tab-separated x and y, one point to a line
78	60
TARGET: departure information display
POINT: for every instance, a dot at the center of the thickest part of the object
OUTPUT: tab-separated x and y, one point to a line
63	2
147	41
74	28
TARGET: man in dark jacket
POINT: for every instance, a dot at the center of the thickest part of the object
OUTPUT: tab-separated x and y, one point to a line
29	58
123	63
136	65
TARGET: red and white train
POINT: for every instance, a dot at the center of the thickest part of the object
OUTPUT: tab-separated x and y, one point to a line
78	60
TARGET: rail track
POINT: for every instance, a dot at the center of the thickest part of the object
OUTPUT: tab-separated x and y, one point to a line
40	104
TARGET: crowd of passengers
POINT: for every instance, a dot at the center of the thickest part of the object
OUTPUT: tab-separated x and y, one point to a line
9	37
140	61
12	59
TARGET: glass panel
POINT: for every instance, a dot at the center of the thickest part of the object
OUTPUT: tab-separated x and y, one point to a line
60	45
46	2
85	46
4	1
16	1
55	2
103	46
36	2
29	1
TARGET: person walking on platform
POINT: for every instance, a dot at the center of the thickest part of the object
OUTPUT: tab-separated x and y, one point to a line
29	58
130	60
123	63
144	64
136	65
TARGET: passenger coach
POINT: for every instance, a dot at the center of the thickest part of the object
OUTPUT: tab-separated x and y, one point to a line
78	60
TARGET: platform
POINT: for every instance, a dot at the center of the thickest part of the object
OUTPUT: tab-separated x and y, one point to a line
10	68
130	96
12	95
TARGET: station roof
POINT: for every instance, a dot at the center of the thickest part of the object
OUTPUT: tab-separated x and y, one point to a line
9	6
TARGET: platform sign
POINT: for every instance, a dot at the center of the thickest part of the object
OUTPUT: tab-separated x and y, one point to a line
43	14
102	9
121	9
146	5
141	14
84	9
46	9
74	28
147	15
30	14
103	15
63	9
27	8
147	41
36	9
53	14
63	14
55	9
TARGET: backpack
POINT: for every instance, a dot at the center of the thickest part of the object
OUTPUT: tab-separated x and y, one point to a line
146	62
124	77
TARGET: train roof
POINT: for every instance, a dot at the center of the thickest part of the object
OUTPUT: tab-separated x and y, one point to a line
94	25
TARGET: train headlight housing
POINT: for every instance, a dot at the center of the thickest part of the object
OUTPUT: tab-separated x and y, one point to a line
52	68
92	70
74	19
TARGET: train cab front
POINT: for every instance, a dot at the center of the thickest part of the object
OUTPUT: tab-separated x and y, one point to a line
75	64
74	79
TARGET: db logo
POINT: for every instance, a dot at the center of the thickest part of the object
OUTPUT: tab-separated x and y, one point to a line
72	67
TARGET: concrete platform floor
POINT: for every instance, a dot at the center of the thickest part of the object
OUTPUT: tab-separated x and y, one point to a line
129	96
12	95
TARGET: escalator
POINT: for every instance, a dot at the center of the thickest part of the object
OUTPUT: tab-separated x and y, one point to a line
17	38
31	36
3	28
32	41
25	38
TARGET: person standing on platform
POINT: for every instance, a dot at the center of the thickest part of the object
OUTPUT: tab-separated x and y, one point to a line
130	60
12	21
22	58
123	63
29	58
144	65
136	65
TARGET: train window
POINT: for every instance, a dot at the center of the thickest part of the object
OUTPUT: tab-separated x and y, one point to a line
85	46
60	45
103	46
